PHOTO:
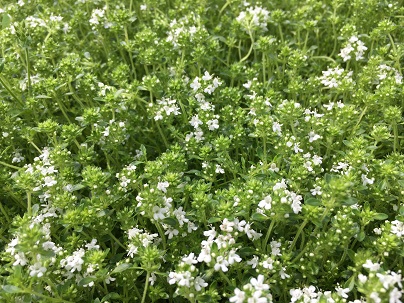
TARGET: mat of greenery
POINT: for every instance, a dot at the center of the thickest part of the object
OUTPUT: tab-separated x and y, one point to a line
201	151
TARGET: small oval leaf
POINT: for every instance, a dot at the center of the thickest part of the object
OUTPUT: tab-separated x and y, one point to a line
86	281
11	289
259	217
380	216
312	202
170	221
214	220
121	267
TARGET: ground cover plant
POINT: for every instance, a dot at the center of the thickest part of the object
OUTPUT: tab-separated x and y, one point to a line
201	151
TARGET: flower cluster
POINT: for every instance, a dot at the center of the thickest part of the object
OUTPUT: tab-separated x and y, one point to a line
255	291
335	77
201	151
253	18
354	46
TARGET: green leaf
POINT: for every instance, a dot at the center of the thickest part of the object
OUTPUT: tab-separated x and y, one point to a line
77	187
214	220
361	236
259	217
204	298
351	254
312	202
245	251
379	216
170	221
112	295
6	20
349	201
121	267
328	178
11	289
86	280
118	93
350	283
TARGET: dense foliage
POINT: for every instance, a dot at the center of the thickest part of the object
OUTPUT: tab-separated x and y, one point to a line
201	151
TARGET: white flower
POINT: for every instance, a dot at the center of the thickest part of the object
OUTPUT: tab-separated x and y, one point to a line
204	255
397	228
395	295
37	270
190	259
268	263
366	180
159	213
266	203
184	279
195	85
248	84
256	298
49	181
238	297
296	294
195	121
342	292
233	257
275	248
227	225
277	128
219	169
316	191
199	283
132	250
92	245
171	232
283	274
74	262
253	262
313	136
213	124
163	186
221	264
206	76
259	283
375	297
371	266
317	160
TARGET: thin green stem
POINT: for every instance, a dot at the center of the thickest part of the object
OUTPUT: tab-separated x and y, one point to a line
324	57
4	212
146	287
28	68
61	107
162	135
299	231
29	202
224	6
396	146
250	50
163	238
269	231
29	291
9	165
11	92
280	32
116	240
225	277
